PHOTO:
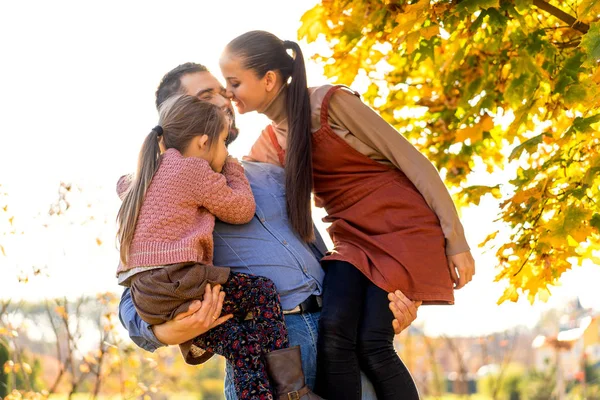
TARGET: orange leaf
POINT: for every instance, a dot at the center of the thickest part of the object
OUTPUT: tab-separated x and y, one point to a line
411	41
430	31
487	123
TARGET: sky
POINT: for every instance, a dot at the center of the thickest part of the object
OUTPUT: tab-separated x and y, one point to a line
77	82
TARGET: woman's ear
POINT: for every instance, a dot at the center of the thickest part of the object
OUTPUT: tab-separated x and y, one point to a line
271	78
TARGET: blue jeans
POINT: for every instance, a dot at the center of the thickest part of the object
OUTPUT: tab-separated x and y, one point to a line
303	331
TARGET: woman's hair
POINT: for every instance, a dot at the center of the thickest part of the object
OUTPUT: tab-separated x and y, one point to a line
262	51
182	118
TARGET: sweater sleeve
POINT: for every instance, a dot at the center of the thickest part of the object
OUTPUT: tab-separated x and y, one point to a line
350	112
263	150
123	184
228	196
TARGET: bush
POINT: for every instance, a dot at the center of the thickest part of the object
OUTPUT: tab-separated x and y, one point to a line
507	385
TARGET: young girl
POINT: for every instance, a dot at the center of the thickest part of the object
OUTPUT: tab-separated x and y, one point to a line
165	231
385	202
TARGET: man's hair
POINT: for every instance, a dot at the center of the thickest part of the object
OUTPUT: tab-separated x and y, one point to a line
171	83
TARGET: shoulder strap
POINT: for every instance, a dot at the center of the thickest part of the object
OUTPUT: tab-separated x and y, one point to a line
280	151
325	103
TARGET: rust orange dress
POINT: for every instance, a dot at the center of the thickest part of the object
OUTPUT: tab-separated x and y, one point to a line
380	223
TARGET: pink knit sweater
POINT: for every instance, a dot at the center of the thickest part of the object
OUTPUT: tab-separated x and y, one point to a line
177	217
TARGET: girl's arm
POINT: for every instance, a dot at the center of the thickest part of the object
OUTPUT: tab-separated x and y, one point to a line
228	195
348	111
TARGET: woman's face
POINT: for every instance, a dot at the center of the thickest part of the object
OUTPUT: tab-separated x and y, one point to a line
249	92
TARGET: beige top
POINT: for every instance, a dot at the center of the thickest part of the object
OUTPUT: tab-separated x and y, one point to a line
364	130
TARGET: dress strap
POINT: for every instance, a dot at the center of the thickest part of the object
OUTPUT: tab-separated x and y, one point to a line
276	145
325	103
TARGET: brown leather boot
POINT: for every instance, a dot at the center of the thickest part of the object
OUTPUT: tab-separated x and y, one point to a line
285	370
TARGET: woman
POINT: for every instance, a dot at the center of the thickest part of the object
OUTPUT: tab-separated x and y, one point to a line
385	202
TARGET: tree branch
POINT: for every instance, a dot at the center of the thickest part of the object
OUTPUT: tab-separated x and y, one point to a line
563	16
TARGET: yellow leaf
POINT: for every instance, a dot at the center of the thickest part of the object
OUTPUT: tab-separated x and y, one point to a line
84	368
60	310
510	293
417	7
27	368
98	242
312	23
544	294
8	366
572	242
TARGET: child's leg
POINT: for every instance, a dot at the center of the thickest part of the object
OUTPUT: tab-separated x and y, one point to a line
338	370
257	295
244	343
376	353
235	340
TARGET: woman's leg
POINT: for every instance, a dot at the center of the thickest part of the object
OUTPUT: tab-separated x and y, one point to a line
338	371
377	356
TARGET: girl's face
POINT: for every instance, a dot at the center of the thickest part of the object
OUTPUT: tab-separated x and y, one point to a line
249	92
215	153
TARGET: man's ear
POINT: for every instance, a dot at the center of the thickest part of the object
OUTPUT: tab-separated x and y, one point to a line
271	78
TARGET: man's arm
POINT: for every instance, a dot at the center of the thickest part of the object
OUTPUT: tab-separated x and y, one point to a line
139	331
404	310
200	317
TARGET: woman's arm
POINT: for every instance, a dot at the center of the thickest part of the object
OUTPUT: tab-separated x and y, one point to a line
366	125
348	111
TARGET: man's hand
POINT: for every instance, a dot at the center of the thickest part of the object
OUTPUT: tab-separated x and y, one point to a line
198	319
462	268
404	310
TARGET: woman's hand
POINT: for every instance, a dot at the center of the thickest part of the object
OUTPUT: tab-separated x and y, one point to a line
198	319
404	310
462	268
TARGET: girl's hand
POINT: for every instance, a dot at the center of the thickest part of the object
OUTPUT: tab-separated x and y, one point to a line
198	319
404	310
234	160
462	268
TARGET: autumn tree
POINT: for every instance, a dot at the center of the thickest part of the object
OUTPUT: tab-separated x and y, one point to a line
479	85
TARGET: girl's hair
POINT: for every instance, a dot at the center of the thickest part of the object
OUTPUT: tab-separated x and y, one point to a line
182	118
261	52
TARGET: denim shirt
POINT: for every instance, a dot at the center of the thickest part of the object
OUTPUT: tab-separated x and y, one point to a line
266	246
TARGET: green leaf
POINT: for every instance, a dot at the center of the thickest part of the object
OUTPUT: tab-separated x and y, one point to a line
473	194
583	124
523	5
595	221
529	146
476	5
575	94
591	44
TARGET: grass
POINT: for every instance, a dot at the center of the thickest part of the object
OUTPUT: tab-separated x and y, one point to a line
87	396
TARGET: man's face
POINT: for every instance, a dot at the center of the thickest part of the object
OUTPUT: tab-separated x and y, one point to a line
205	86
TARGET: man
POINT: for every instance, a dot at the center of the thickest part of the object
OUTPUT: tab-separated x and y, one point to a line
267	246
